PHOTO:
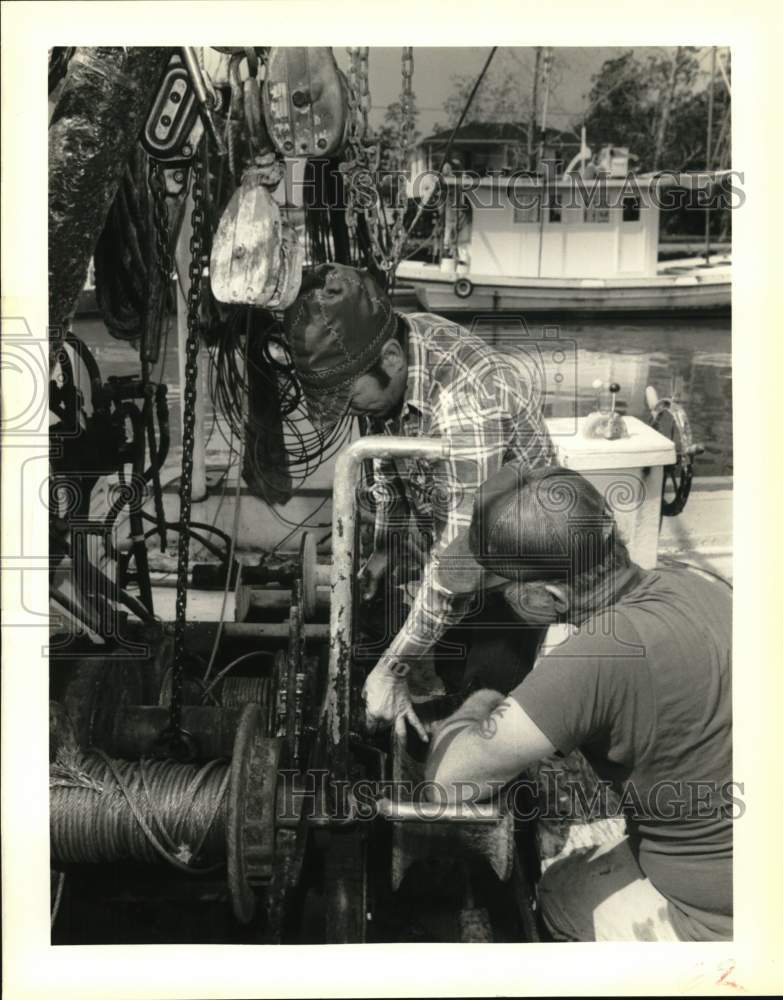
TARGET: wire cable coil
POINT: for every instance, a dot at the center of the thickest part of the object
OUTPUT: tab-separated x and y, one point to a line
196	817
105	810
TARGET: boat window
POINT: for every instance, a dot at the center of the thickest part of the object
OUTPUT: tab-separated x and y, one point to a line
631	208
529	209
596	213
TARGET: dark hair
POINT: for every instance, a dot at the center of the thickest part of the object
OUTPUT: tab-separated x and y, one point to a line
377	370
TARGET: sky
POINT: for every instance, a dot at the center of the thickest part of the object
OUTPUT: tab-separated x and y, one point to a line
435	69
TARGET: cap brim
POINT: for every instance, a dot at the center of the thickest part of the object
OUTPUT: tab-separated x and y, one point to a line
460	573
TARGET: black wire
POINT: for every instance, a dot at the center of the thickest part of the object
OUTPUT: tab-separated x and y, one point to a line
300	525
222	556
306	447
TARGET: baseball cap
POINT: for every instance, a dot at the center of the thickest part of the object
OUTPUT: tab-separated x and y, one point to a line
528	524
335	331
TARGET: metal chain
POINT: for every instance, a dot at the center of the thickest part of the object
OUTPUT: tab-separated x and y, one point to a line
161	218
197	219
353	90
406	106
360	168
363	73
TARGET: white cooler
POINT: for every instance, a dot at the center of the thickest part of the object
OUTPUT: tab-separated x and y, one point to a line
628	472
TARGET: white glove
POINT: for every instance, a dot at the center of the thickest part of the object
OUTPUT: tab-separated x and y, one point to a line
387	701
371	574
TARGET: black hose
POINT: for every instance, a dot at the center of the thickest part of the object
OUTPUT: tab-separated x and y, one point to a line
222	556
193	524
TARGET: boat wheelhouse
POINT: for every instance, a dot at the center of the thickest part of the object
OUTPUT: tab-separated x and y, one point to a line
535	243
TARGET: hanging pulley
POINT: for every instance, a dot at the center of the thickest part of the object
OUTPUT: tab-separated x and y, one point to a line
305	102
168	131
256	254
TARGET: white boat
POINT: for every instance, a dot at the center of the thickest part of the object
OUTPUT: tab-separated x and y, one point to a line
526	243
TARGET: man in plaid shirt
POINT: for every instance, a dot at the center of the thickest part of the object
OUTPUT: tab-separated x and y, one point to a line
415	375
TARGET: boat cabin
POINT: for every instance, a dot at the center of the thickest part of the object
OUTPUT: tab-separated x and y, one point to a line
571	227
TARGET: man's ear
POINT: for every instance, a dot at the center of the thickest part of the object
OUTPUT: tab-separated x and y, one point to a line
392	357
561	596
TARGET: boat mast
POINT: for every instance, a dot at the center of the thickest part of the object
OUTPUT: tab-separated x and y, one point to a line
545	105
531	129
708	155
546	175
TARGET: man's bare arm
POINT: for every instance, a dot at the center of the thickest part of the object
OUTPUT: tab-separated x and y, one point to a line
490	739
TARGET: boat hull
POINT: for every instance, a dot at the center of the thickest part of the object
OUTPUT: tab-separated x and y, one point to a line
696	290
435	297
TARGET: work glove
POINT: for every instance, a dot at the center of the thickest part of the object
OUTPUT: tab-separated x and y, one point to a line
371	574
388	701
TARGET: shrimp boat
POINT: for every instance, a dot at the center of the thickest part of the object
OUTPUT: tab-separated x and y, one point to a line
574	243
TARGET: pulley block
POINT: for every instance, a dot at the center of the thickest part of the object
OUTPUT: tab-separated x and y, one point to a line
305	102
256	254
169	132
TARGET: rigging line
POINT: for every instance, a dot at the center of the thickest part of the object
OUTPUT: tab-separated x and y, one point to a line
224	484
301	524
234	663
444	160
234	532
469	101
723	73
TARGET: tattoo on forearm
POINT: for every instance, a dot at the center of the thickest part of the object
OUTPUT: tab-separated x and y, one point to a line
488	726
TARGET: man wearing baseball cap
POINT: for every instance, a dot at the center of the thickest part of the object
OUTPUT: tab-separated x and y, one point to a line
414	375
642	687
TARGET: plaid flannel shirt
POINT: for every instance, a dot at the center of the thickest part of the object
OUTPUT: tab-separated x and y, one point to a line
484	402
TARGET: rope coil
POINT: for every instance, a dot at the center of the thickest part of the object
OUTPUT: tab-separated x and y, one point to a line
105	810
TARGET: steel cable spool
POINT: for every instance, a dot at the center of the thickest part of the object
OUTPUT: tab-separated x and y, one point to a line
238	691
197	819
183	805
192	689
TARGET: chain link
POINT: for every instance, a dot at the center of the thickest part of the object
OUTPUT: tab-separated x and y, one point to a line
361	166
195	272
406	107
399	235
364	92
161	218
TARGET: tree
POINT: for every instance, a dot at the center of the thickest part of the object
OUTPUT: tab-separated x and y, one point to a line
393	162
504	94
630	96
389	136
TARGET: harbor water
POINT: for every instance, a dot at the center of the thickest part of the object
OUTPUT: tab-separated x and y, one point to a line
687	356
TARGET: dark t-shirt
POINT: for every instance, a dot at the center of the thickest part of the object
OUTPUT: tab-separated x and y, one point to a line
644	690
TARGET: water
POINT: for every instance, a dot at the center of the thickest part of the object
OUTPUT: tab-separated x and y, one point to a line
690	356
